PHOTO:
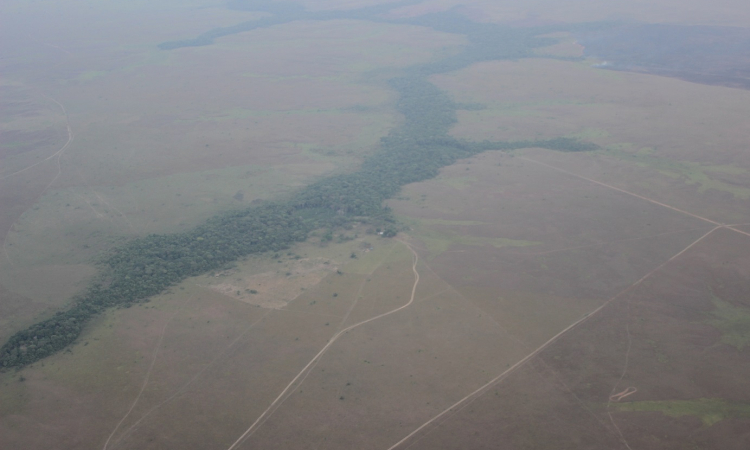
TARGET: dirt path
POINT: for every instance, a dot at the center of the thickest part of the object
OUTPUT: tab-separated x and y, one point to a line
145	380
621	395
650	200
617	397
616	241
184	387
468	399
58	153
272	407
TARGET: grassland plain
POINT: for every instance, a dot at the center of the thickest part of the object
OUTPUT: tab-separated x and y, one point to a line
584	257
660	341
189	153
208	350
660	136
598	243
412	152
710	411
724	12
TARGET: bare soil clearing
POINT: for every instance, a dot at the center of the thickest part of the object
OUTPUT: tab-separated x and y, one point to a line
273	289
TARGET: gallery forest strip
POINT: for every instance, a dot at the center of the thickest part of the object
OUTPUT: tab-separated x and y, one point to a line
412	152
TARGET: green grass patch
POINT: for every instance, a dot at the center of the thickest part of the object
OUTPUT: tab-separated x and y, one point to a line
732	321
590	134
709	410
91	75
75	224
450	223
438	241
459	183
691	173
383	250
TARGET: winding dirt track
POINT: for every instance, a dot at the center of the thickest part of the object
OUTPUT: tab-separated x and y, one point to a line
145	380
650	200
128	431
271	408
58	153
465	401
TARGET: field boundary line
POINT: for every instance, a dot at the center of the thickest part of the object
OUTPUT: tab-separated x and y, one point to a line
465	401
182	389
361	288
58	153
314	360
722	225
621	190
616	241
341	324
145	381
524	346
627	391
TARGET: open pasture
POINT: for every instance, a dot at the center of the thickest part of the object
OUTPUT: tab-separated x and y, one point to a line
198	365
534	12
538	299
132	140
677	142
660	367
638	232
600	242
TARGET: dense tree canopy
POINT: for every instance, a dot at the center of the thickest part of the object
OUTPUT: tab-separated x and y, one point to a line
412	152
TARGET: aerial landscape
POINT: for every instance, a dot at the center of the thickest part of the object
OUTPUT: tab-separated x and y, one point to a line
375	224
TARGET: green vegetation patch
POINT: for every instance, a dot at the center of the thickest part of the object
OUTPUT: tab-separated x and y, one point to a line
691	173
91	75
73	225
450	223
732	321
709	410
590	133
438	241
459	183
383	250
516	109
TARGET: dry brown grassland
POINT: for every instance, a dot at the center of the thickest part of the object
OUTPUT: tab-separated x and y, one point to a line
513	248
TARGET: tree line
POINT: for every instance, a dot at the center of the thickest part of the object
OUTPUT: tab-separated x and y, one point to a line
414	151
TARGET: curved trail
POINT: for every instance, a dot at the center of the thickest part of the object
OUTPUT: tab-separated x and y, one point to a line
58	153
613	397
259	421
650	200
182	389
466	400
621	395
145	381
